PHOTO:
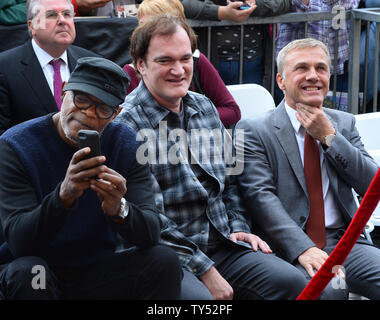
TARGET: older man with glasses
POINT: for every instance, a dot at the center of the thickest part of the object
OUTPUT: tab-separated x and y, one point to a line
31	75
61	224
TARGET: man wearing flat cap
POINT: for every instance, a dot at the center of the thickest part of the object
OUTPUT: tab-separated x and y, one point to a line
63	215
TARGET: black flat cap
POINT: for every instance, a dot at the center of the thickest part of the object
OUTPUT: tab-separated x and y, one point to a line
101	78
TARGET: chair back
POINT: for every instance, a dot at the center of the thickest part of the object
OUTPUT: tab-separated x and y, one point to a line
368	125
252	99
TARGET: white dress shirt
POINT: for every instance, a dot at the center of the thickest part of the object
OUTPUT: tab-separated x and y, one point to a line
333	218
44	58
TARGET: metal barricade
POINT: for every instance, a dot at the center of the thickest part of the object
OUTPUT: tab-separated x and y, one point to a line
358	18
293	17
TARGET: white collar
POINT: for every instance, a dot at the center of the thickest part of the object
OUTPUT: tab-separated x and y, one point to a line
293	119
43	57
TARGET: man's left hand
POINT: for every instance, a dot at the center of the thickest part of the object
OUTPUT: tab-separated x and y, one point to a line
255	241
110	187
315	121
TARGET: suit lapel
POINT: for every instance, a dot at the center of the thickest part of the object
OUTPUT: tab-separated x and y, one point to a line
284	132
33	74
71	59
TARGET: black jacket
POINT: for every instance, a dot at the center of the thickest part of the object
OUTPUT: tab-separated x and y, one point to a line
24	91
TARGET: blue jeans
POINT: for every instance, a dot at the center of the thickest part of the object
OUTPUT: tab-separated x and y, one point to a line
253	71
372	3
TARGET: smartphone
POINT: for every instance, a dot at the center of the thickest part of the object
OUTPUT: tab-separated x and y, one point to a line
244	6
89	138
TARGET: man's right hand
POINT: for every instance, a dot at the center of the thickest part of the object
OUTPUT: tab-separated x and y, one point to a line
217	285
232	12
312	259
78	176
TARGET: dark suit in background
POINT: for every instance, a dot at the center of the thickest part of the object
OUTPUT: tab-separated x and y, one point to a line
24	91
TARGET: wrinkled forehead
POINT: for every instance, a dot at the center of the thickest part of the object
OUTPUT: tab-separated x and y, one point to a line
177	42
307	55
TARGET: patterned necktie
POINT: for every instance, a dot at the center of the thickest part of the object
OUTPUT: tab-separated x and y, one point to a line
57	81
315	225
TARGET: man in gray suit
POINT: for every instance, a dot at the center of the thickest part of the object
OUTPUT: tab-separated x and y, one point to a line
274	184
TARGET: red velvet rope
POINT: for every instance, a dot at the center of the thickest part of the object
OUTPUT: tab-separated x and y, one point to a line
323	276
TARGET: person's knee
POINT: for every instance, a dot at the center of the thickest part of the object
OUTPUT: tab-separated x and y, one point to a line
165	264
25	265
193	289
29	278
290	284
333	292
165	259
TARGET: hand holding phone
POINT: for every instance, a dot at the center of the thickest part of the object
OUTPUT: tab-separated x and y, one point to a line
76	180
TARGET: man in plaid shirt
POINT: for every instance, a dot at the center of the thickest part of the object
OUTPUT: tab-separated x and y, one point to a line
184	141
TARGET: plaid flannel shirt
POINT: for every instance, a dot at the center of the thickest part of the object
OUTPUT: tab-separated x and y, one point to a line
321	30
187	208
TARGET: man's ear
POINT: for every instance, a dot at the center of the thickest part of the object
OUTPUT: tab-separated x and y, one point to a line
30	27
117	112
280	81
63	92
141	66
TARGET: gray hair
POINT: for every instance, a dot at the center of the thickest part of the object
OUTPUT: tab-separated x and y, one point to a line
31	4
299	44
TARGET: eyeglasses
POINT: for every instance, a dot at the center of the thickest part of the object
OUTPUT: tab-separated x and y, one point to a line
83	102
53	15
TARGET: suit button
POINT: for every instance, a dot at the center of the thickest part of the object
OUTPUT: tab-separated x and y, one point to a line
302	219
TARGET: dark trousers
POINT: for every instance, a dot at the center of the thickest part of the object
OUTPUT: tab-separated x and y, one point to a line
256	275
361	268
153	273
362	265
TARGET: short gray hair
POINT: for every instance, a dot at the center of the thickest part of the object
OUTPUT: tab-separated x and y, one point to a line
31	13
299	44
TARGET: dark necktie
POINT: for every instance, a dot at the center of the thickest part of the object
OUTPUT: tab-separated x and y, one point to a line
315	225
57	81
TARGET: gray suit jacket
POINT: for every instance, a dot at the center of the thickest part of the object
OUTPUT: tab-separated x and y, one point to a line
273	183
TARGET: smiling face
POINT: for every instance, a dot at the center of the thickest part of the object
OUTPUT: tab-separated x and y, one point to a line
167	69
306	77
53	28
